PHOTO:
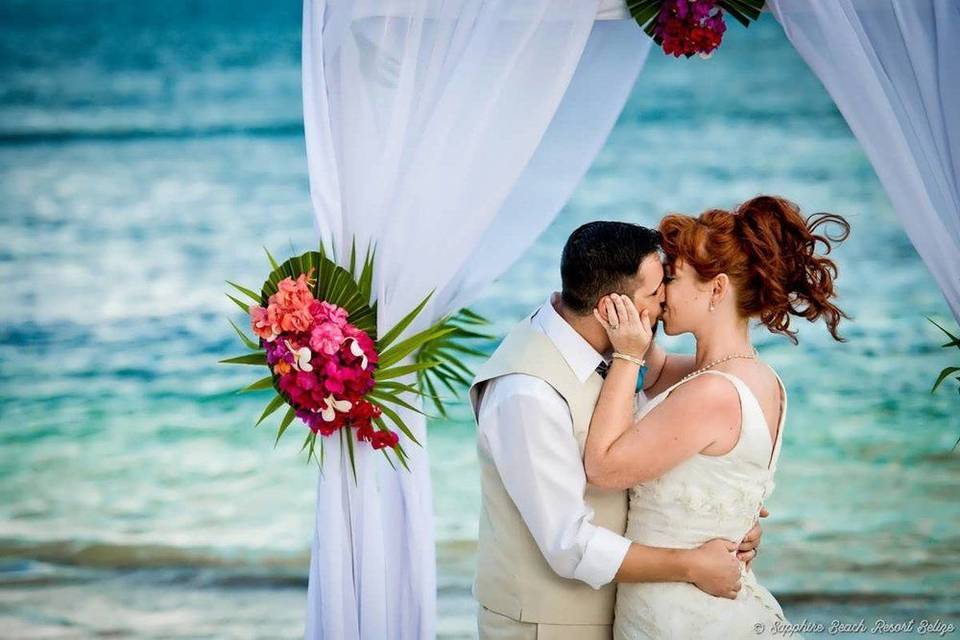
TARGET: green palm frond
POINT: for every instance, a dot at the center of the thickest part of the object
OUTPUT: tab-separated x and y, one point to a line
743	11
253	346
401	326
273	406
240	303
250	358
954	341
262	383
247	292
645	12
448	349
287	419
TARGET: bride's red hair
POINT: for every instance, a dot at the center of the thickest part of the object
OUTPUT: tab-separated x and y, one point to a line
768	250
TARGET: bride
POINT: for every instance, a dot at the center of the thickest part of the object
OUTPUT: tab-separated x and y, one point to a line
699	458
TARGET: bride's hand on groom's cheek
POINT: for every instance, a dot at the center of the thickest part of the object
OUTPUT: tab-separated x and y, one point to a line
629	330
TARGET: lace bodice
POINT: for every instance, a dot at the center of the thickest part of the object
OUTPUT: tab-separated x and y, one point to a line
704	497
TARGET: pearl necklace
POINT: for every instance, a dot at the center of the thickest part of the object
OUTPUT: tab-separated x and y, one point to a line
715	363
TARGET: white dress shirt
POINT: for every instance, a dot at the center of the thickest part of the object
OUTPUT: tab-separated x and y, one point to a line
526	428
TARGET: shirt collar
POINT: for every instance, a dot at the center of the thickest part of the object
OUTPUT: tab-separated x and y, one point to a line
578	353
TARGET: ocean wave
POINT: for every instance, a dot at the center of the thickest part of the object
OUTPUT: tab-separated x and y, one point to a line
105	555
61	136
24	563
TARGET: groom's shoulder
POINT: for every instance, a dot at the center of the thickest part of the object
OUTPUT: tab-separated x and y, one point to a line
518	387
519	384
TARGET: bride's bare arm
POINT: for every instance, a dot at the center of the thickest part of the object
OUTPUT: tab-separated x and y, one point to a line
619	453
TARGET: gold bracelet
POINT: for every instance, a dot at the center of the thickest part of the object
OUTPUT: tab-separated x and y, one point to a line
637	361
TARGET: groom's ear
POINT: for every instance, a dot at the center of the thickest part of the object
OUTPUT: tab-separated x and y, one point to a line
602	308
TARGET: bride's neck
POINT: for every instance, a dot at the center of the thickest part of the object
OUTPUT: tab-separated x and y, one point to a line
721	339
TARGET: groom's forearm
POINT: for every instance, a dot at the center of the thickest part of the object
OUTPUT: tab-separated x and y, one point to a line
654	564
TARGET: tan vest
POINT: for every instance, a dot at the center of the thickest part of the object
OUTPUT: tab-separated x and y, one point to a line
513	578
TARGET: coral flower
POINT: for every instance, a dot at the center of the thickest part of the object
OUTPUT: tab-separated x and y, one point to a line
261	323
293	294
295	321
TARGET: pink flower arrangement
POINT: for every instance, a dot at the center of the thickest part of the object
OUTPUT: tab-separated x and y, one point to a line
688	27
324	365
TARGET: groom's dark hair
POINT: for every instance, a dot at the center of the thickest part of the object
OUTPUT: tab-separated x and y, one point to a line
599	258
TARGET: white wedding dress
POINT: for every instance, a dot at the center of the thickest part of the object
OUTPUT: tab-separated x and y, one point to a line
704	497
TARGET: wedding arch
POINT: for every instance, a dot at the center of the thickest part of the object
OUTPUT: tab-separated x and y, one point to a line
452	132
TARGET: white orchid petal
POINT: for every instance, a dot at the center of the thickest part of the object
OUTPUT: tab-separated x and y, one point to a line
327	414
303	359
332	404
358	351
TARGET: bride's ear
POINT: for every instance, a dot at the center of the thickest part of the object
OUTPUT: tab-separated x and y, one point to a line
721	287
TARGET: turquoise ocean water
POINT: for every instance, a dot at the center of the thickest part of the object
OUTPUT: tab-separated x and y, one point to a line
149	151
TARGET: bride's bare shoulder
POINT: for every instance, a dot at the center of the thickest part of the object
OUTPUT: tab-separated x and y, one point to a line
705	394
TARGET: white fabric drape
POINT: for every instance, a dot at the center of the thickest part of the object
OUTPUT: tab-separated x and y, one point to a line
450	133
893	69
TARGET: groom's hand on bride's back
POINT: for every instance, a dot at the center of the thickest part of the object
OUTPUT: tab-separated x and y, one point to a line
714	568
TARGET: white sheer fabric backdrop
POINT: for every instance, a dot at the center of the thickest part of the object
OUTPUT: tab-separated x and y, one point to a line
893	69
451	133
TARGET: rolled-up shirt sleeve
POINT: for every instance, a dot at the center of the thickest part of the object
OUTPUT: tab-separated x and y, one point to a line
526	429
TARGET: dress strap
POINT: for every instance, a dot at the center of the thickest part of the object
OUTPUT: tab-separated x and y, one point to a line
775	450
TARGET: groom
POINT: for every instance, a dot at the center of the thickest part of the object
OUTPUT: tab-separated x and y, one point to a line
551	545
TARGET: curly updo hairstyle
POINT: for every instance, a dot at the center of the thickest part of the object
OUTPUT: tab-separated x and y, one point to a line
768	250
